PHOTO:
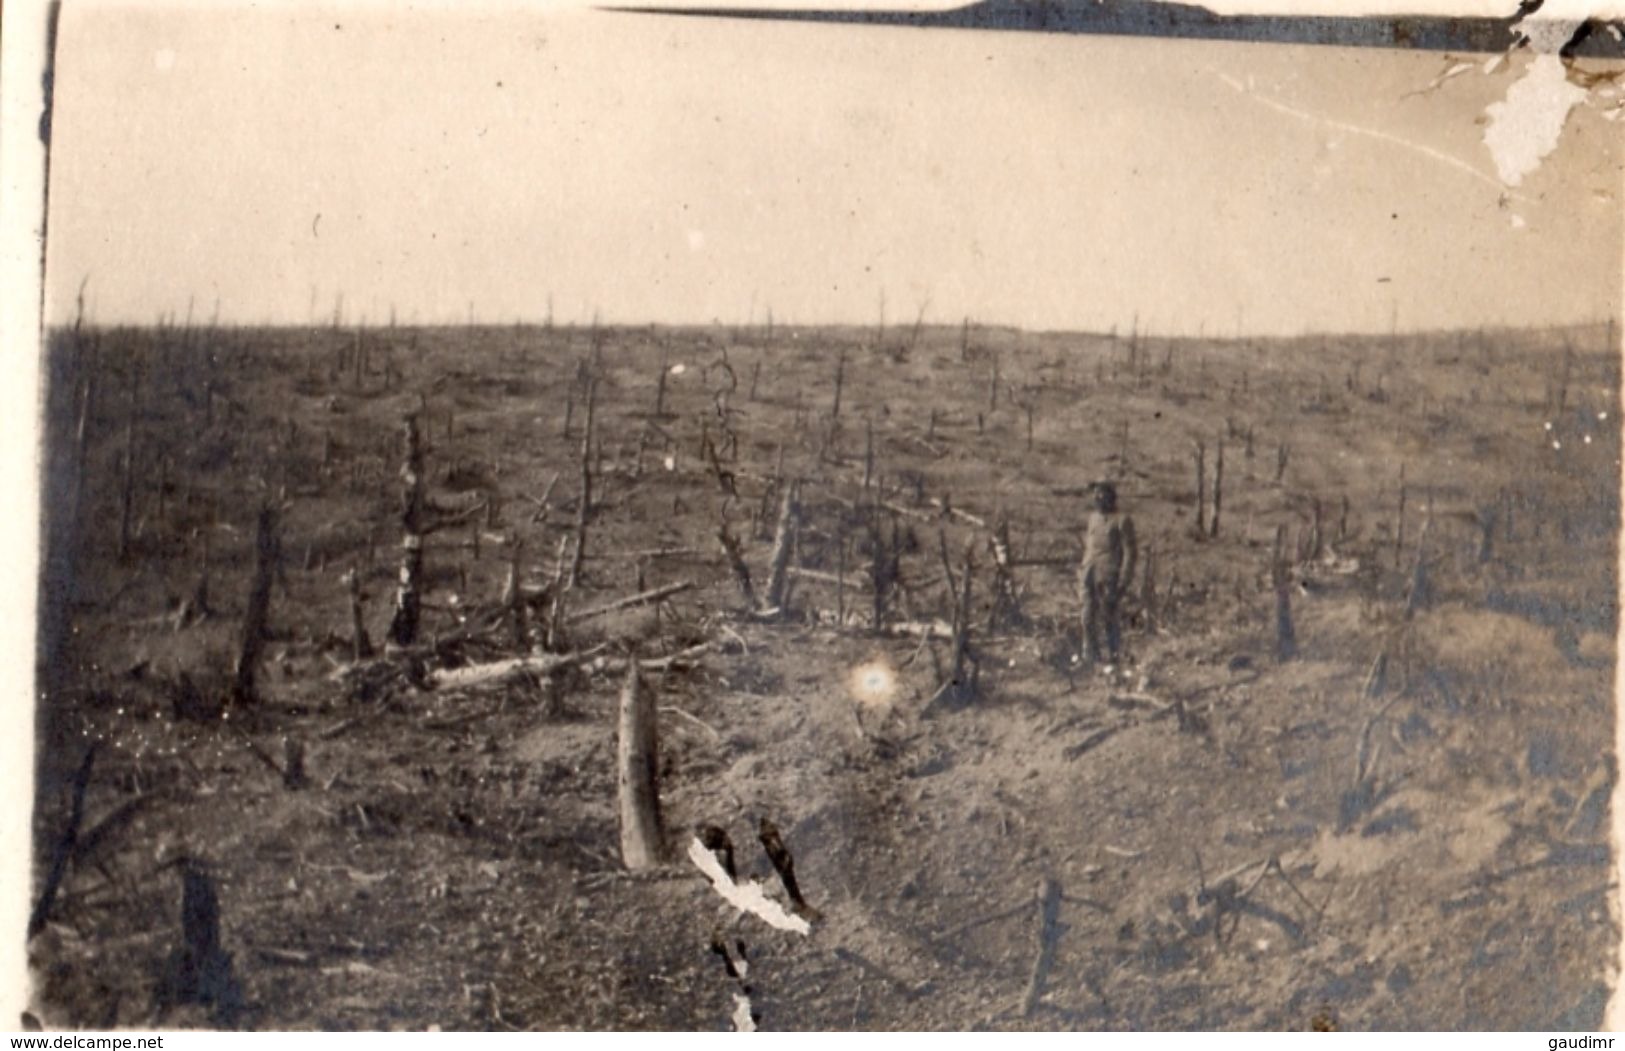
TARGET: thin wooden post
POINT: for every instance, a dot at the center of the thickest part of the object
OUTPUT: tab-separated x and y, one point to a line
637	761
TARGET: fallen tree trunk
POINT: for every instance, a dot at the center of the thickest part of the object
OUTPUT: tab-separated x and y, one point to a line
642	598
552	663
637	762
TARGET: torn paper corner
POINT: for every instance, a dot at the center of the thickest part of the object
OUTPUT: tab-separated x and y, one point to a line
1525	126
746	897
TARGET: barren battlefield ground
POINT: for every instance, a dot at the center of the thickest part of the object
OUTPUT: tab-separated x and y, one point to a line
1402	824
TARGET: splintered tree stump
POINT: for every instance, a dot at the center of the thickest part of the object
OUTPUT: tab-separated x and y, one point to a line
252	643
1218	491
637	760
403	624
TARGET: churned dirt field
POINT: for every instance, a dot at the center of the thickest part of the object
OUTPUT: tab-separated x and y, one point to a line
1401	824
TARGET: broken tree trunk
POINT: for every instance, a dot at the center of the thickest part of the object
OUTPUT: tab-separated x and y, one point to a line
1286	644
1006	605
259	609
65	845
840	381
127	501
403	624
736	562
1399	528
293	764
1148	590
637	760
513	596
1218	491
660	383
960	686
778	568
641	598
199	971
584	508
361	646
1487	520
1418	596
1201	487
1049	931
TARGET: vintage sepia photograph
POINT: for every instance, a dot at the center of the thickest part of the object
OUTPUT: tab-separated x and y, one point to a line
1092	515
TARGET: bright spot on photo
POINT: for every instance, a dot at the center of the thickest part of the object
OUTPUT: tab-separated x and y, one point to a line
873	683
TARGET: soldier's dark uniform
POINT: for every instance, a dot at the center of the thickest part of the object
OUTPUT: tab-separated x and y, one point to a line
1109	552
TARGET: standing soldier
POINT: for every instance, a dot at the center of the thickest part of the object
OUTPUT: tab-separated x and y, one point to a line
1109	553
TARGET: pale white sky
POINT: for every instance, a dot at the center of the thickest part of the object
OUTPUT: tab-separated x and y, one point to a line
680	170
